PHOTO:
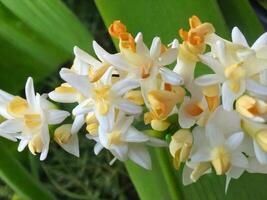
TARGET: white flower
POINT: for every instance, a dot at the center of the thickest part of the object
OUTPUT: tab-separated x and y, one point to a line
67	139
145	65
257	133
222	146
234	65
194	44
31	119
125	142
102	97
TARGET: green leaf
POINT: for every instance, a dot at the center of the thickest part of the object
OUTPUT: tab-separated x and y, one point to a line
36	37
161	18
13	173
240	13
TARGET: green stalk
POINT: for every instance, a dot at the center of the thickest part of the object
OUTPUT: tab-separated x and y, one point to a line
15	175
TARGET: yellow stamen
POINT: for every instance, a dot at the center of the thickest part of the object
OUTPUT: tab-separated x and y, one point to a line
32	120
261	138
127	41
194	108
162	102
92	129
96	75
102	95
62	134
35	145
114	138
17	106
180	146
235	73
199	170
135	96
250	107
116	28
221	160
65	88
159	125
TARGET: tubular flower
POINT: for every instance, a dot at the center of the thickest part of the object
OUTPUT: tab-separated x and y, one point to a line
30	118
161	104
193	45
125	142
180	146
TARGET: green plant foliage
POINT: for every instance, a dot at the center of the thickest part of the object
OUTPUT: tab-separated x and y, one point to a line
14	174
164	18
36	37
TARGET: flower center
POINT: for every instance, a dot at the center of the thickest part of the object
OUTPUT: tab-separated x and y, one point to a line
17	106
102	96
32	120
114	138
235	73
220	160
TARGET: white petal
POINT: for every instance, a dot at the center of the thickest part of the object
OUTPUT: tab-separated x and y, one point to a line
11	126
202	155
6	97
106	121
238	37
22	144
81	54
97	148
238	159
133	135
30	93
209	79
234	140
170	76
79	82
72	146
123	86
260	154
260	42
106	78
63	97
155	142
77	124
184	120
186	175
141	48
84	107
168	57
118	62
220	52
120	152
9	136
155	48
123	123
229	97
212	63
45	137
100	52
140	155
256	88
127	106
186	70
56	116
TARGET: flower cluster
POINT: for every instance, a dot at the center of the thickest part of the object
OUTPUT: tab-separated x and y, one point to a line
222	116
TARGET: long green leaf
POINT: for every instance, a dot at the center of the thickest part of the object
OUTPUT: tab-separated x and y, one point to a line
13	173
36	36
164	18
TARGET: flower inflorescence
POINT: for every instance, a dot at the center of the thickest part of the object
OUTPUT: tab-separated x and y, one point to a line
222	116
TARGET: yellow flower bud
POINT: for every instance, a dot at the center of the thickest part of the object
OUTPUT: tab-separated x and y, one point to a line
220	160
35	145
62	134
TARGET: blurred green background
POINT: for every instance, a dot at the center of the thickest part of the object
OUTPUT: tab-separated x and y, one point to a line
36	39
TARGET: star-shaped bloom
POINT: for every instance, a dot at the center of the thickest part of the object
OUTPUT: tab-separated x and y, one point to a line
103	96
30	119
125	142
222	146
